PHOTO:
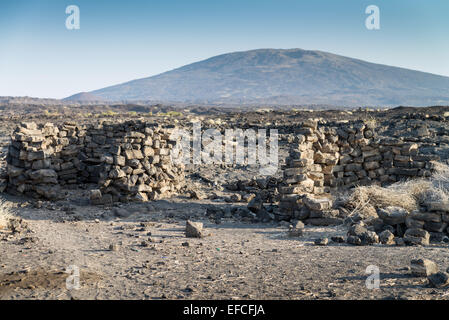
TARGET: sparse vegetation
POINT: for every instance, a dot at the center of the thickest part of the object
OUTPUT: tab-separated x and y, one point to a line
48	113
5	215
407	194
109	113
371	122
169	114
395	195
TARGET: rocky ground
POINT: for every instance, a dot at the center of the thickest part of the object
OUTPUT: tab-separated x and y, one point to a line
140	251
147	256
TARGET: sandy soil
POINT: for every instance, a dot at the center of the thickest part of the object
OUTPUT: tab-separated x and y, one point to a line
235	261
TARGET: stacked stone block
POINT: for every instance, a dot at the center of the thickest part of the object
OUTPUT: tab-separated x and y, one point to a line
303	172
138	165
129	161
327	158
30	167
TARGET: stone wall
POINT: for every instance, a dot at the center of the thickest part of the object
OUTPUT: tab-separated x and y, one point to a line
333	157
128	161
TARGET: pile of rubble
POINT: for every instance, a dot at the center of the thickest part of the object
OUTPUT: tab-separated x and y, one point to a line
397	226
420	227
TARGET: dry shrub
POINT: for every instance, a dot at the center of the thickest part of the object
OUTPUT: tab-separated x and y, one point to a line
380	197
405	194
439	185
5	215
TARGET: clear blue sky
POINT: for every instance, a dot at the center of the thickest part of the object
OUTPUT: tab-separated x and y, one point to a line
123	40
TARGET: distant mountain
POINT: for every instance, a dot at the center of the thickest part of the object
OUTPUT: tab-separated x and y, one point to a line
84	96
293	76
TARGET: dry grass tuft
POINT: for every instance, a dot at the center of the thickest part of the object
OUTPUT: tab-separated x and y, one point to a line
407	194
5	215
439	185
380	197
371	122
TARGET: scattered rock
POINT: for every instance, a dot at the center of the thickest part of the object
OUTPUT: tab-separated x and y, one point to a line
399	242
194	229
17	225
95	195
439	280
393	215
235	197
296	230
114	247
423	267
255	205
144	243
264	216
38	204
354	240
415	236
386	237
365	236
248	197
285	224
198	195
121	213
321	241
338	239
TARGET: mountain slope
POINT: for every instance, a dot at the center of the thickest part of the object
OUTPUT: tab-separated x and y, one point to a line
286	77
83	96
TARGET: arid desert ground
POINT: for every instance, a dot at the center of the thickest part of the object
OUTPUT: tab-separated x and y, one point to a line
139	250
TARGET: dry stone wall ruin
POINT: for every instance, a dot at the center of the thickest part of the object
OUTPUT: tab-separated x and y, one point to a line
129	160
327	158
